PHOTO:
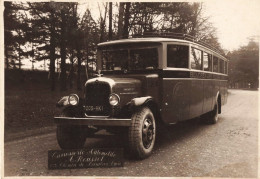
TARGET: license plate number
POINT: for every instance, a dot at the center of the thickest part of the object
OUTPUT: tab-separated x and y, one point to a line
94	108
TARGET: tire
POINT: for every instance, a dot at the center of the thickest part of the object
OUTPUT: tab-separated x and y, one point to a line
212	116
142	133
70	137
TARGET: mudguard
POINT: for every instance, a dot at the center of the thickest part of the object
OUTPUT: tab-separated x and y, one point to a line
64	101
140	101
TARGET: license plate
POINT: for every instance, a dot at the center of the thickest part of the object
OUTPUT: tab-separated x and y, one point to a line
94	108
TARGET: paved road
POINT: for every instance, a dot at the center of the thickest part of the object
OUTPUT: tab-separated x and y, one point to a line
227	149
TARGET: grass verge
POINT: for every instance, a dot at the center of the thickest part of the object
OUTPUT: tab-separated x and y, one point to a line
31	106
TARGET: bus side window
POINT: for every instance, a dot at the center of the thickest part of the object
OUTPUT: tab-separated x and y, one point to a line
225	67
196	56
207	61
215	64
177	56
221	66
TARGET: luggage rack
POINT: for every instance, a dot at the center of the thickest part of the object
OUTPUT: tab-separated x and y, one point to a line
176	36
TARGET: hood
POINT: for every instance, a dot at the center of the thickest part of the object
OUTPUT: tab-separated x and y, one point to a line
120	85
125	88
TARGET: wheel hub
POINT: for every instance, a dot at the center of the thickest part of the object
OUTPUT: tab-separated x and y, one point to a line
147	133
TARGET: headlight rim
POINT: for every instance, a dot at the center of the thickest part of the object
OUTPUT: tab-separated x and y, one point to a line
118	99
77	98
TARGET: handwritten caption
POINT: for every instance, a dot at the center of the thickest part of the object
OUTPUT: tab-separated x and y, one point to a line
85	158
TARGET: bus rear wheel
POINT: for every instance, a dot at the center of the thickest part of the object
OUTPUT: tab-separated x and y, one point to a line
142	133
212	116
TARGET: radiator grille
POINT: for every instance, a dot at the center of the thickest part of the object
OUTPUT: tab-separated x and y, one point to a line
97	94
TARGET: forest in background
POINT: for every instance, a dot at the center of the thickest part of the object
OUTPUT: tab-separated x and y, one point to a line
244	66
65	40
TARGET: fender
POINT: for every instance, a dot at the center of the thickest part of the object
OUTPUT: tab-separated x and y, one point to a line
140	101
69	110
64	101
148	101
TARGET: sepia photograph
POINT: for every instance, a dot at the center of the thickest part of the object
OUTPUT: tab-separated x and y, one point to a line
130	88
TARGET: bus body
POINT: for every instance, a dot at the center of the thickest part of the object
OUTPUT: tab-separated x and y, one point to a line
143	82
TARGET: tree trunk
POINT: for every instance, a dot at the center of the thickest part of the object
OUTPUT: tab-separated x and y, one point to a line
110	22
20	64
71	73
63	53
87	49
145	21
103	25
73	35
52	53
6	58
79	68
120	20
126	21
14	65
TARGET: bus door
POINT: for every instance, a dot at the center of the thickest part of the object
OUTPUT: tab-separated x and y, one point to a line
196	97
196	80
176	100
208	95
208	82
176	84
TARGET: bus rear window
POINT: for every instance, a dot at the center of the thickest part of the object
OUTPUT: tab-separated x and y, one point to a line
177	56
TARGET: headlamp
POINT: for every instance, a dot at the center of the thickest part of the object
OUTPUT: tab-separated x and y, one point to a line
114	99
73	99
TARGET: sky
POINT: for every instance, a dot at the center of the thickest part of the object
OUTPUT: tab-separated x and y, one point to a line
235	20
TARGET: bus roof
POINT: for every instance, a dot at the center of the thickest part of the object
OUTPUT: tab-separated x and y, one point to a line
156	39
150	39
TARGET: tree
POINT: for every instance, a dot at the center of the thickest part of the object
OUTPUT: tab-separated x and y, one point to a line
67	13
63	48
102	22
126	20
243	66
49	35
177	17
120	20
110	32
72	26
14	34
43	34
86	36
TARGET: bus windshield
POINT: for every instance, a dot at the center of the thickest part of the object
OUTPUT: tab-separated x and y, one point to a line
129	59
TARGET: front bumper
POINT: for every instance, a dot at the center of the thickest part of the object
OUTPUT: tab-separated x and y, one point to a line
92	121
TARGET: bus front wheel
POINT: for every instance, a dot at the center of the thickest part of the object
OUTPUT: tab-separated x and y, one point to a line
142	132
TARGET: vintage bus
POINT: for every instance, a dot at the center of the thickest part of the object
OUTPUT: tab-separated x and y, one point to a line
143	82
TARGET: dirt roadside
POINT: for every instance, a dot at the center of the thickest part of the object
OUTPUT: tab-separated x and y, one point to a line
28	133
